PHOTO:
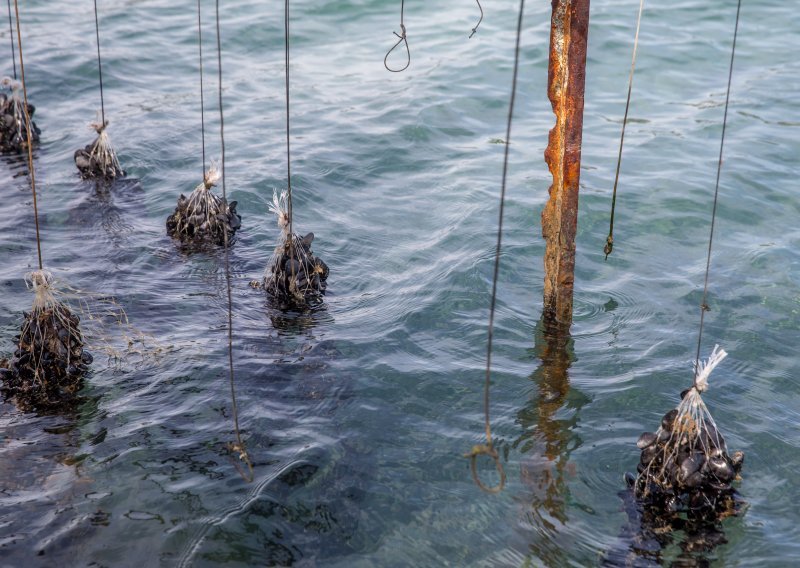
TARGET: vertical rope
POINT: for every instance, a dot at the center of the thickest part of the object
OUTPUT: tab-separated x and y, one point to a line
11	35
610	239
234	408
288	149
488	449
99	63
202	101
704	305
30	136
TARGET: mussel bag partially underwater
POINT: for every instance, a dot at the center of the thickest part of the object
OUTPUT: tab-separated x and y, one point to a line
48	365
204	216
293	274
98	159
13	120
685	465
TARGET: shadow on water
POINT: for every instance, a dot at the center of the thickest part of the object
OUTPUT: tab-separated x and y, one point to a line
548	438
42	467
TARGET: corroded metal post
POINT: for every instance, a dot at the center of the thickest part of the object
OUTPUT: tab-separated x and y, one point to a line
569	31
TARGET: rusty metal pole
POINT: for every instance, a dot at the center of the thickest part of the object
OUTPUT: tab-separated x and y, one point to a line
569	31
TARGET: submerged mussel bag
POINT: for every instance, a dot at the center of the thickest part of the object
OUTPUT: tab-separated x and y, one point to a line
98	159
293	273
204	216
685	465
14	119
47	367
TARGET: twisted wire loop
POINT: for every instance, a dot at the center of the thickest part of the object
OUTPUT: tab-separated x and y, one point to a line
475	29
486	450
402	38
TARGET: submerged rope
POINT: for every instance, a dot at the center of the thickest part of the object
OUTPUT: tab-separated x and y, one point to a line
403	39
99	64
488	449
29	143
610	239
239	445
704	305
202	101
475	29
11	35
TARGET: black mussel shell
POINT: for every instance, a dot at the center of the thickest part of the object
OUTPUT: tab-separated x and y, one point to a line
307	240
692	464
649	454
645	440
669	419
721	469
695	480
684	392
87	358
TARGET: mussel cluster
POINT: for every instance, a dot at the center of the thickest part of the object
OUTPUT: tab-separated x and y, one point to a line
204	216
98	159
295	273
685	465
48	365
13	128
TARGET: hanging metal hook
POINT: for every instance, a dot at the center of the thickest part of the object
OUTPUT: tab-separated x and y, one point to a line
402	39
475	29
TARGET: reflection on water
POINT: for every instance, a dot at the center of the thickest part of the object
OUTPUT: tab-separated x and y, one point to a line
547	440
655	537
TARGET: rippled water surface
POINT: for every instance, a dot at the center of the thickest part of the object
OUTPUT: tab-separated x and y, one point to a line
356	415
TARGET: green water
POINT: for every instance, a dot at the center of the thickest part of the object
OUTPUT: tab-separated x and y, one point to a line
356	415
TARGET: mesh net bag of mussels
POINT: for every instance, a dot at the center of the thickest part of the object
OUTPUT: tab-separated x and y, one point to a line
685	465
293	273
13	119
47	367
204	215
98	159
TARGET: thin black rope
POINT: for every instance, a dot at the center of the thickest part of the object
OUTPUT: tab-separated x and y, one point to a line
288	146
610	239
239	446
704	305
99	64
11	34
30	136
488	448
475	29
402	38
202	99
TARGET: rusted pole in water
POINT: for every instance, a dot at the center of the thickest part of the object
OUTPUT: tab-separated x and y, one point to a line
569	31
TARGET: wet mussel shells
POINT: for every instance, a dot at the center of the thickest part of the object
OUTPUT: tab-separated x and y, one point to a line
48	366
684	465
13	132
296	274
214	221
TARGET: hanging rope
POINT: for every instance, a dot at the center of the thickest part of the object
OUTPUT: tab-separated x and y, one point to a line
238	446
488	449
404	40
11	35
610	239
99	65
29	143
704	305
288	147
475	29
202	101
